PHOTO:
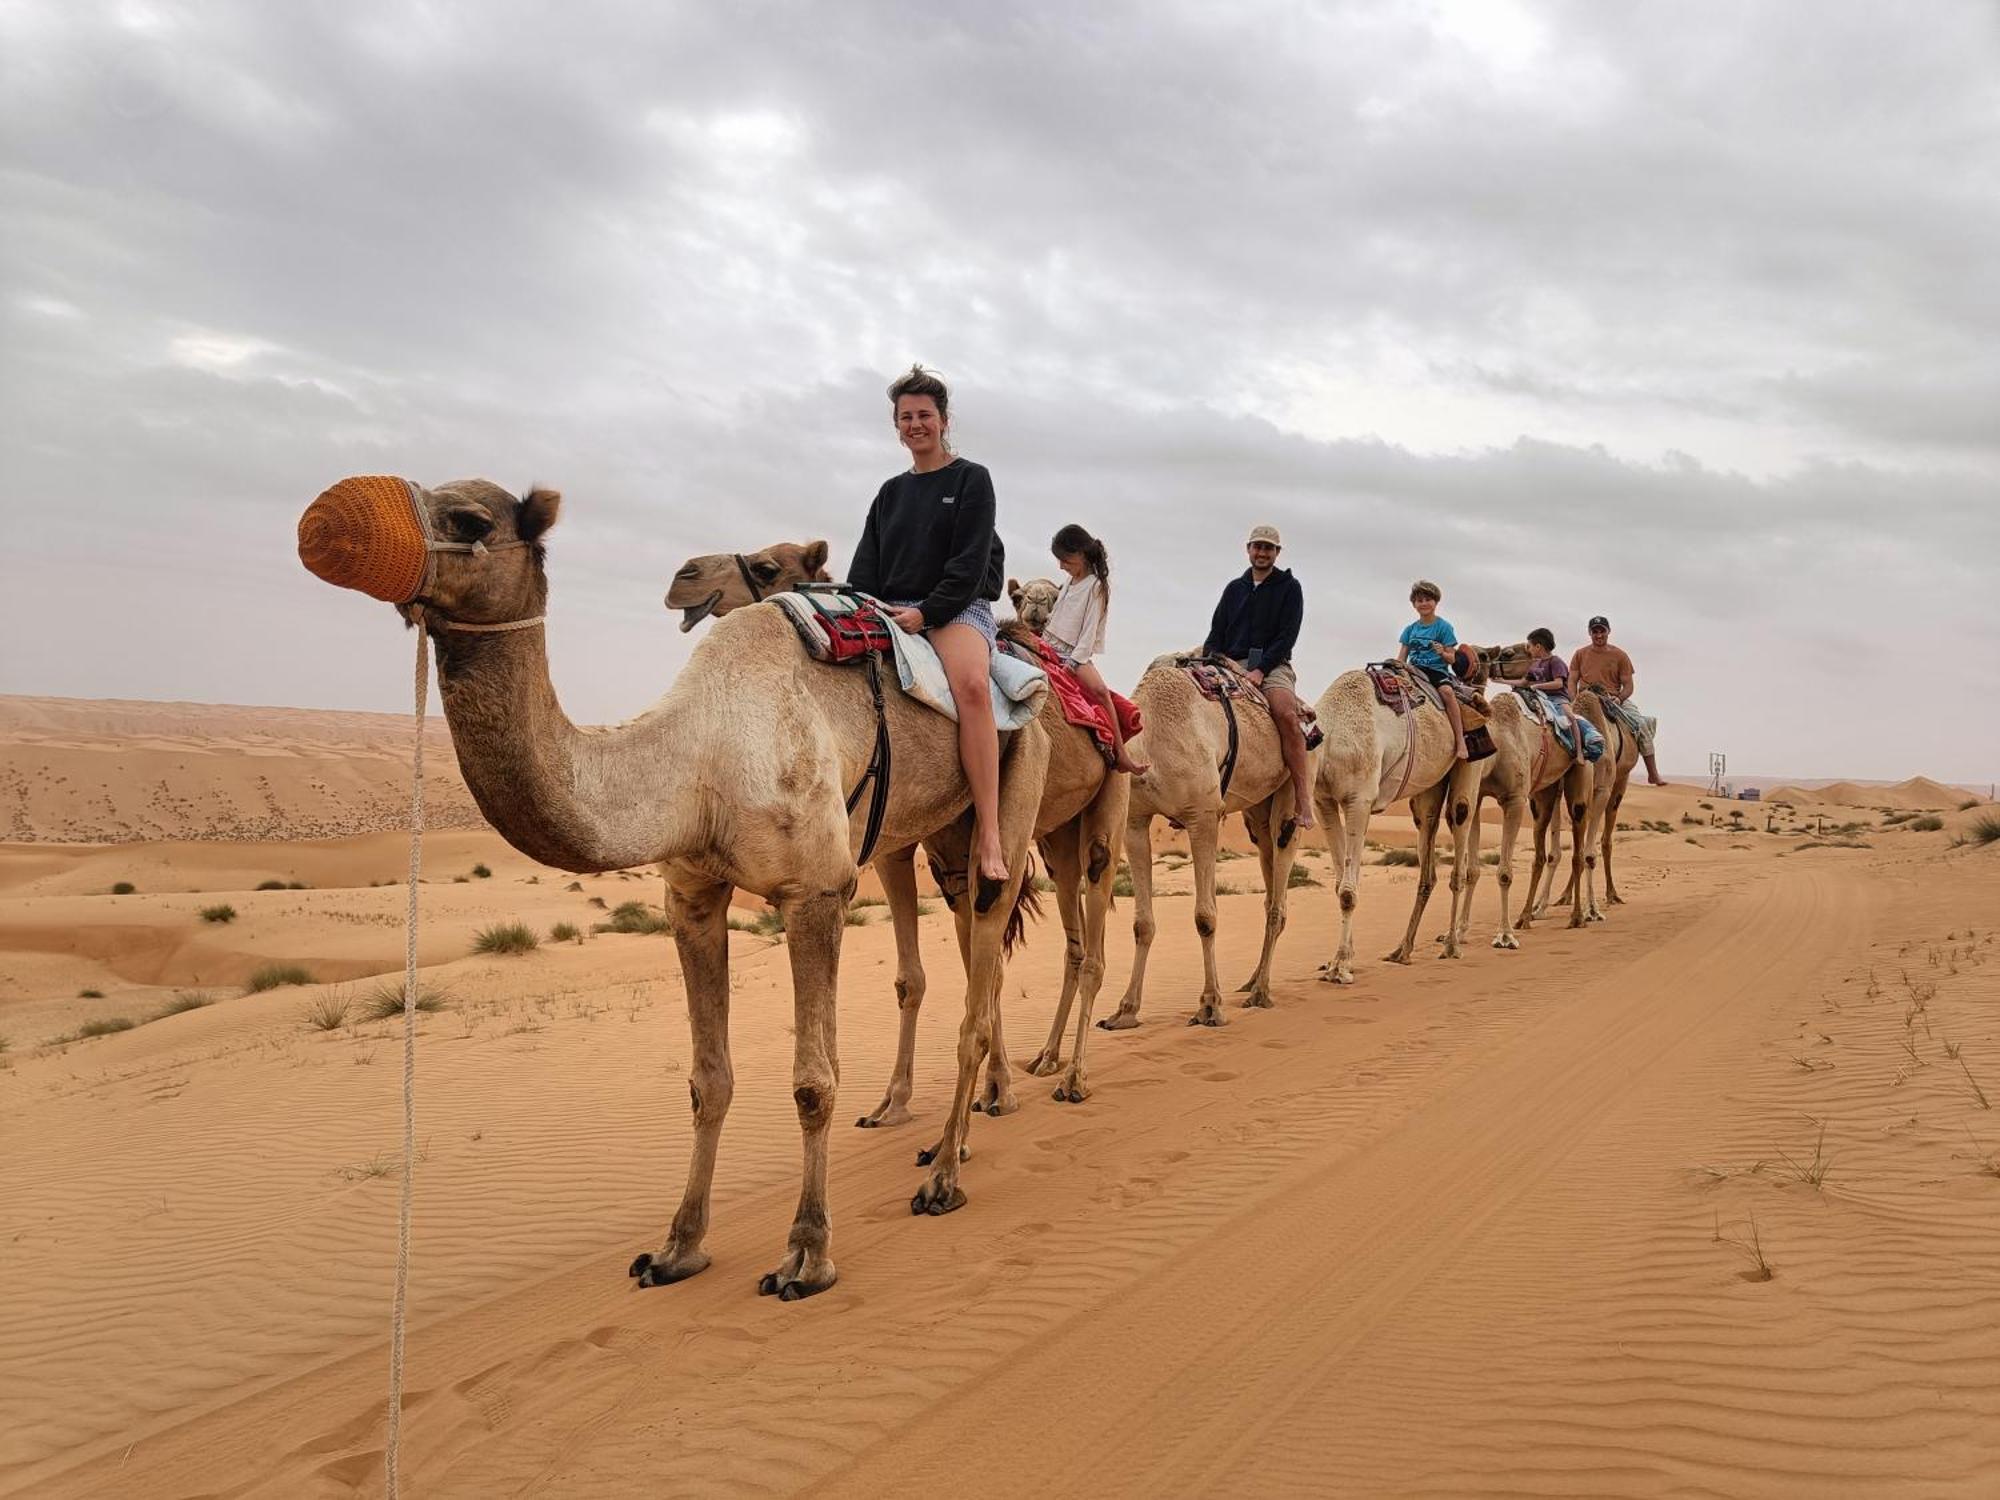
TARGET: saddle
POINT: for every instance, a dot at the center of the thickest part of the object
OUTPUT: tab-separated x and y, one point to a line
1564	726
1220	681
1399	689
1078	706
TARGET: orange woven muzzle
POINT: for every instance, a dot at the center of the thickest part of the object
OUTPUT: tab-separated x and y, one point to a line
367	533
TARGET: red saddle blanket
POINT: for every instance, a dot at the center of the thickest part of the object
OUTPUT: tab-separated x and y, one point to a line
1079	707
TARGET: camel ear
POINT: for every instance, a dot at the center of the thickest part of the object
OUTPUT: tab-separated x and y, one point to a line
1014	592
812	557
537	513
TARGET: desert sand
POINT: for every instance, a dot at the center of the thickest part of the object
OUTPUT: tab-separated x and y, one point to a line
1704	1200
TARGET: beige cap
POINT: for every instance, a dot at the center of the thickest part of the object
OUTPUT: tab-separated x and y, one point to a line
1265	534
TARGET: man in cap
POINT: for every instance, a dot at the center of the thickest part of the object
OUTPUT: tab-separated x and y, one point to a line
1255	626
1608	669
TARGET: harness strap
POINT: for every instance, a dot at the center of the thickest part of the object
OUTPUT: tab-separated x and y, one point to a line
878	767
1409	755
749	580
1229	760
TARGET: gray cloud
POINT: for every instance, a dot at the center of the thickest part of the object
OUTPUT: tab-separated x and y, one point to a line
1684	315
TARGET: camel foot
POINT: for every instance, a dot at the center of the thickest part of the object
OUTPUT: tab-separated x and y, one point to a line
987	892
1046	1062
1258	1000
1612	898
1331	975
1072	1090
1450	950
801	1276
1210	1014
1593	915
667	1268
885	1114
937	1197
1398	957
1507	940
996	1105
1123	1020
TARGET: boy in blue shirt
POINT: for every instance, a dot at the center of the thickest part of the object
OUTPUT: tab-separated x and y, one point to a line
1421	641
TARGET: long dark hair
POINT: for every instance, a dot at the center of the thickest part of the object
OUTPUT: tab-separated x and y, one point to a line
1074	541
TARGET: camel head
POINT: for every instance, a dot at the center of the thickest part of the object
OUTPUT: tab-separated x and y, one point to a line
1503	663
1033	601
466	551
722	581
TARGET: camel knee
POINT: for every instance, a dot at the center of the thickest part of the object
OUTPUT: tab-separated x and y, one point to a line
1506	878
909	992
1460	811
1347	900
815	1103
1100	858
1204	923
1143	929
709	1095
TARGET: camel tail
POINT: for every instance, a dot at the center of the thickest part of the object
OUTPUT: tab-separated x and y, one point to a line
1026	905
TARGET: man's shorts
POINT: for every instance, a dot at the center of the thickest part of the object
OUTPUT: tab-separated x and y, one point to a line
1280	676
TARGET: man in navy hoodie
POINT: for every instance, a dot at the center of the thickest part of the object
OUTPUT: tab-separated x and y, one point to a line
1255	626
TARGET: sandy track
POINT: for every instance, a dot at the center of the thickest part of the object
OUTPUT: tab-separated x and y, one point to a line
1447	1232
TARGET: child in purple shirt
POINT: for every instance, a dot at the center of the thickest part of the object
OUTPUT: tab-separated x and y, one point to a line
1548	674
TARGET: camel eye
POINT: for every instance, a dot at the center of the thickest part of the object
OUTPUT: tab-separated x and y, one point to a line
689	572
766	570
469	525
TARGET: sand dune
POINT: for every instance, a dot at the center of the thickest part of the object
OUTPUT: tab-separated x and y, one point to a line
1918	794
1478	1227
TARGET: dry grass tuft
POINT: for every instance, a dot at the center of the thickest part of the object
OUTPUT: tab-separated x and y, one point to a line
222	913
506	937
274	976
328	1012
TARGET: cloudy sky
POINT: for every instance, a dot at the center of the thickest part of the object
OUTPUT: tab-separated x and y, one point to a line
1686	314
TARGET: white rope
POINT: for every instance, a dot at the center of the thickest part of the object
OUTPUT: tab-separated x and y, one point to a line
409	1066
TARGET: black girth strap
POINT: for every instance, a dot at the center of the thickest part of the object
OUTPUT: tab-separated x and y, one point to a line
749	580
878	766
1229	760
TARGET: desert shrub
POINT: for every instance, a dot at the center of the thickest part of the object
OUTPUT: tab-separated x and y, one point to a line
123	888
1706	806
1891	819
598	902
1398	857
565	932
1490	857
297	885
1693	840
189	1000
480	872
506	937
1044	884
857	918
574	885
270	885
222	913
385	1001
924	908
635	916
768	924
328	1013
1830	844
1983	830
90	994
273	976
1968	804
1121	883
1926	825
106	1027
1300	876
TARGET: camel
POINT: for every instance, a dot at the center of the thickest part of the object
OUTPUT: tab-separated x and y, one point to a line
736	779
1614	773
1082	806
1529	769
1186	737
1373	756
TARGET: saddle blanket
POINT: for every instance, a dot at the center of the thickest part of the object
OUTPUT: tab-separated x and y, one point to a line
1399	689
1552	712
836	627
1078	705
1642	726
1217	681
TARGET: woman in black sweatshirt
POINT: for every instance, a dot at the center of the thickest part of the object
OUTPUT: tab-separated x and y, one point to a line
929	549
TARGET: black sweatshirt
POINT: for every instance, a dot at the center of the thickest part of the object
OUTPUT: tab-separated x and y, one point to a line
1258	623
930	537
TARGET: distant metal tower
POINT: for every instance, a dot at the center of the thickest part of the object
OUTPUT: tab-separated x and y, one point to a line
1718	767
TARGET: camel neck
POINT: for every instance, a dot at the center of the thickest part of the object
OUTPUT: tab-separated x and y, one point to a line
582	800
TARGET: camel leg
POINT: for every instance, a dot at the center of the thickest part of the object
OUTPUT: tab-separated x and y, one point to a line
701	937
1258	822
1461	807
1060	853
1097	843
1139	862
1021	779
1510	830
1346	826
1277	891
813	926
1584	867
1544	808
1611	896
1424	810
898	871
1201	844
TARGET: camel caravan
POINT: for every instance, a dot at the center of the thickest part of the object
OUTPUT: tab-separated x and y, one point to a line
819	727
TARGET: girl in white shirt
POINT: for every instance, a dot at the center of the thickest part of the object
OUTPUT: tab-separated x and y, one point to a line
1076	625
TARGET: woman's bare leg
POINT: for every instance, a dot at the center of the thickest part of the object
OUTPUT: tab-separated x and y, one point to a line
967	666
1099	689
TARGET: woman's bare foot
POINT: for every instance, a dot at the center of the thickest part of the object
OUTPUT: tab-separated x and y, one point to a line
1130	766
1302	817
992	861
1463	753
